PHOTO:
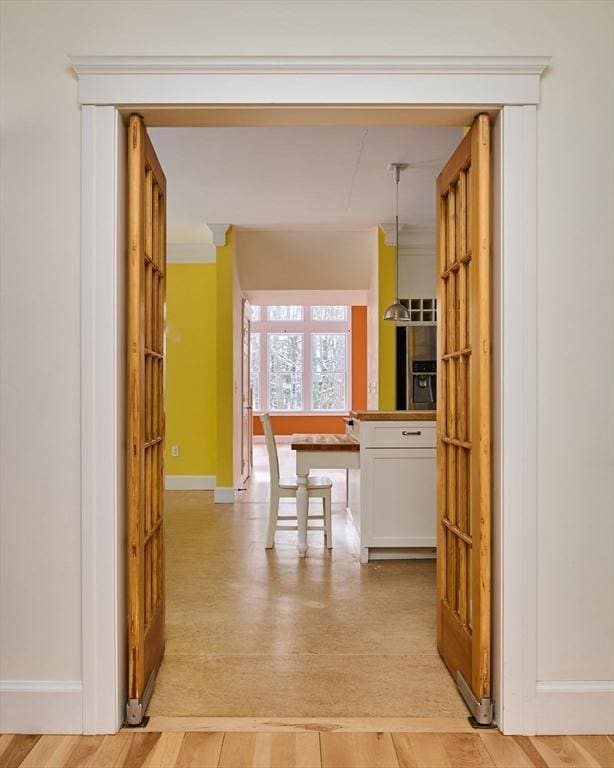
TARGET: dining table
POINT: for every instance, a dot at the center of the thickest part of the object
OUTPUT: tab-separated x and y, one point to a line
319	451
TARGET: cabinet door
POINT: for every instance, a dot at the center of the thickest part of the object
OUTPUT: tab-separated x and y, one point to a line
400	494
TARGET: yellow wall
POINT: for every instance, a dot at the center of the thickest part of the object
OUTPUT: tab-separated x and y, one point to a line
225	266
191	421
387	334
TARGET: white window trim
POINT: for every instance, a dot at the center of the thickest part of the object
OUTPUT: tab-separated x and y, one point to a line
461	85
307	327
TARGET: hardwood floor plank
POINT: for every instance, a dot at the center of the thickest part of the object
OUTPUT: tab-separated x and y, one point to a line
5	740
525	743
50	751
17	749
270	750
599	749
560	752
112	751
462	750
405	753
166	751
505	751
83	751
358	750
140	747
200	750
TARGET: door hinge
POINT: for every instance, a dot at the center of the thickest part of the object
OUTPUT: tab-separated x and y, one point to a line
481	709
136	708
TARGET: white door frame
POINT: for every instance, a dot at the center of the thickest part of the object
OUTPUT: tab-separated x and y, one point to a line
454	83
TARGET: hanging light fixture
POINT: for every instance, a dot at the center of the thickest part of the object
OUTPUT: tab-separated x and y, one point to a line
397	312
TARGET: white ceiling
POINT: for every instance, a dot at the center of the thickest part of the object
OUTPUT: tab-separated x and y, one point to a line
303	178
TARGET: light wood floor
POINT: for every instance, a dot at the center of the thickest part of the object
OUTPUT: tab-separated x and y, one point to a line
135	749
257	633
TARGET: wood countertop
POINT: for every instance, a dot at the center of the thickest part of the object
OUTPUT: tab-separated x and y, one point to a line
394	415
324	443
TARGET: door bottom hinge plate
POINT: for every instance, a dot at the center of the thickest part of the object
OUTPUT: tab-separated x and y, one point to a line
136	708
481	709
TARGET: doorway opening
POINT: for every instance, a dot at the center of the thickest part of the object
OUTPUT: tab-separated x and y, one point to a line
272	604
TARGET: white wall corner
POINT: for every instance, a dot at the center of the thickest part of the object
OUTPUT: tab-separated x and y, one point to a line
224	495
575	707
191	253
218	232
411	238
41	706
189	482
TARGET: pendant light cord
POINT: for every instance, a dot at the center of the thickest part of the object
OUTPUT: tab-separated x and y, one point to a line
397	177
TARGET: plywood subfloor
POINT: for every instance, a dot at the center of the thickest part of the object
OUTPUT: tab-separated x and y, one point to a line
256	633
134	749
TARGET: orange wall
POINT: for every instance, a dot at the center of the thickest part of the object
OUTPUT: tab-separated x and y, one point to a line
358	335
290	425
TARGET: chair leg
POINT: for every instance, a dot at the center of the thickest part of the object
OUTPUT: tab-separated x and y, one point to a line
273	514
328	519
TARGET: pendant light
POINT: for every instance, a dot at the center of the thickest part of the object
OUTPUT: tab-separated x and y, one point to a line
397	312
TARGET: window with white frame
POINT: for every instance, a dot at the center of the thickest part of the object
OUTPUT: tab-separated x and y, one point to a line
300	359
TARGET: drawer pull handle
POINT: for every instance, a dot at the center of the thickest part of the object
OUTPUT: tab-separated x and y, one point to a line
406	432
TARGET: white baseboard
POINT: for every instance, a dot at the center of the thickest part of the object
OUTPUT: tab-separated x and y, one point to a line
574	707
41	706
224	495
189	482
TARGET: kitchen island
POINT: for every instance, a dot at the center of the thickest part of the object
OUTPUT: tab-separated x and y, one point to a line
392	496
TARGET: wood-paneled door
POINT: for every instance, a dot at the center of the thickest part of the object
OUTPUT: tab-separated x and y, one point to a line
246	397
146	300
464	418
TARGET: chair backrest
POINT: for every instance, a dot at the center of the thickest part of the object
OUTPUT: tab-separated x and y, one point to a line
271	446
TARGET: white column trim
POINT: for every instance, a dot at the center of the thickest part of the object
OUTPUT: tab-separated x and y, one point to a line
101	414
219	232
518	427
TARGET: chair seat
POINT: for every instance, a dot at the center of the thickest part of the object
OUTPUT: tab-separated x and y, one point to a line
290	483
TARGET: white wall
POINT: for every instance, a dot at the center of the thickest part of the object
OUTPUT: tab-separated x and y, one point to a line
40	555
417	275
308	259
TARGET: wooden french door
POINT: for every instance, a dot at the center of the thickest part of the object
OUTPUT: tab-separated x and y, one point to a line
463	418
146	300
246	398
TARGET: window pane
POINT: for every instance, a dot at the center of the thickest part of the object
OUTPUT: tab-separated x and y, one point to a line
254	365
329	312
328	366
285	371
285	312
255	313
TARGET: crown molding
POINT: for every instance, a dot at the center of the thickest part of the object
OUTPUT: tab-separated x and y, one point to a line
207	65
422	81
412	239
190	253
219	231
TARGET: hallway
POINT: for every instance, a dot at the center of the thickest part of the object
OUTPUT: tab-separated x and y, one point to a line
256	633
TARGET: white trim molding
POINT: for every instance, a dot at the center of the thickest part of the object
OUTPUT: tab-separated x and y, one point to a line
393	80
456	83
191	253
41	706
223	495
189	482
575	706
219	232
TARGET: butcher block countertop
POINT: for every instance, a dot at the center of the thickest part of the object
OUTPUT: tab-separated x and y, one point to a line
324	443
394	415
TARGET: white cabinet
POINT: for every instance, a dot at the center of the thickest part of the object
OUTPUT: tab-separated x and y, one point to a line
396	509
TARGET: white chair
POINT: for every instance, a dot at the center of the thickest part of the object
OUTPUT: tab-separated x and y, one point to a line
318	487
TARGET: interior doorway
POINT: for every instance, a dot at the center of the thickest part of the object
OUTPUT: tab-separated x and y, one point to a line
364	694
453	84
